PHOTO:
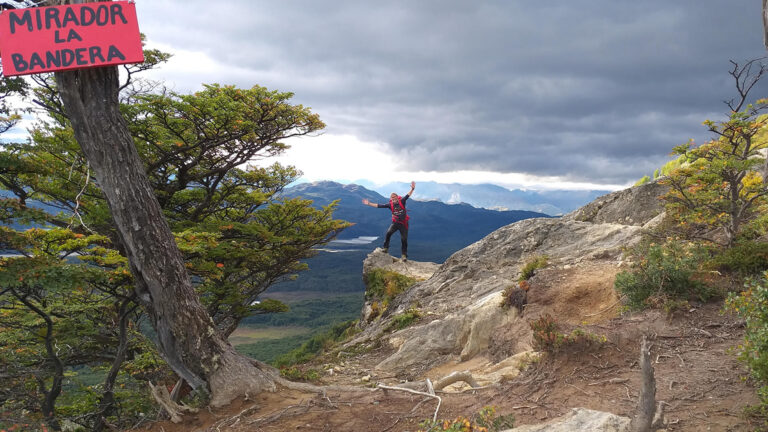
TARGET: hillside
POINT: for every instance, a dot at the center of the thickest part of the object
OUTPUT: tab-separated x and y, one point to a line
592	383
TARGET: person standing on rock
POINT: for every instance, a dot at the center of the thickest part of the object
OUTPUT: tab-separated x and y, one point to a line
399	219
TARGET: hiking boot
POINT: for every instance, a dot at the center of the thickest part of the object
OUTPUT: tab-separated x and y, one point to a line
382	249
404	258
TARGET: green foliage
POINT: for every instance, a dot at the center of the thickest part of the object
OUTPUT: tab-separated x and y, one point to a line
662	272
642	181
71	288
531	265
384	285
317	344
299	373
548	338
752	305
721	186
485	420
745	258
403	320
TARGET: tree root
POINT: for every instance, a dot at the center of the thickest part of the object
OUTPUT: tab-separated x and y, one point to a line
174	410
439	399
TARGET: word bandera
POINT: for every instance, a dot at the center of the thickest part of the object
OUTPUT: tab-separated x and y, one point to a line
66	23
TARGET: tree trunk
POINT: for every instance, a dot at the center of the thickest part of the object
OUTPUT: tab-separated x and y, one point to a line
186	336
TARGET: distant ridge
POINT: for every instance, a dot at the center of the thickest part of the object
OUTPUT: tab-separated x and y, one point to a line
493	197
437	230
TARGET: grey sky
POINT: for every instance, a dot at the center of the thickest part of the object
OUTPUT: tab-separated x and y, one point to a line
596	90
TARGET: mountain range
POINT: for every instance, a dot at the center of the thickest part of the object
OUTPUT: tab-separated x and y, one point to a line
488	196
436	231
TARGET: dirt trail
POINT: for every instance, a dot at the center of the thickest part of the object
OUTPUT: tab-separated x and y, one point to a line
699	380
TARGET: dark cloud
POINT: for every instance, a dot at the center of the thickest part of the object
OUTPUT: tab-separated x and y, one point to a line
596	90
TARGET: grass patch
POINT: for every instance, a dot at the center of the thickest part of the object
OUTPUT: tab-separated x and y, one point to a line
384	285
531	266
403	320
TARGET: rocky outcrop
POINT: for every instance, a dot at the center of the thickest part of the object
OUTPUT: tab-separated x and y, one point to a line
634	206
414	269
460	302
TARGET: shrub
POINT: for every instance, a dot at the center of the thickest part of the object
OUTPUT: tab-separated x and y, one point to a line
531	266
484	421
384	285
745	258
296	373
663	272
515	296
547	337
752	305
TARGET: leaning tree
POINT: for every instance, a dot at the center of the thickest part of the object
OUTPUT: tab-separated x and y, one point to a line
186	335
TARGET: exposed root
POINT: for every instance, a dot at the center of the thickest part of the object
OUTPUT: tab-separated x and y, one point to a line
439	399
174	410
454	377
232	421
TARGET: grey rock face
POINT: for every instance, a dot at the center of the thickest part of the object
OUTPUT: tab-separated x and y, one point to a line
460	301
633	206
582	420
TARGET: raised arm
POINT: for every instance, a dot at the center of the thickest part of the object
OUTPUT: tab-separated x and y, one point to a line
368	203
413	186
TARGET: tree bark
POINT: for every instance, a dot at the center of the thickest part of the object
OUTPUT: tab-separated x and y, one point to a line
186	336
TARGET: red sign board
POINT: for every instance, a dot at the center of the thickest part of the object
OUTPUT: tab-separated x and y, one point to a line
54	38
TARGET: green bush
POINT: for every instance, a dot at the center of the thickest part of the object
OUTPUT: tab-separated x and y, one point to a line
752	305
663	272
296	373
745	258
531	266
384	285
547	337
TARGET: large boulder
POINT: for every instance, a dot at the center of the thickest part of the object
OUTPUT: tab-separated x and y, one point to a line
582	420
634	206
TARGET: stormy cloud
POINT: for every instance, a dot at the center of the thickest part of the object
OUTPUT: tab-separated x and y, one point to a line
594	90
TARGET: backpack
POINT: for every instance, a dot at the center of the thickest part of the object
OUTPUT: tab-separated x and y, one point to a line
399	215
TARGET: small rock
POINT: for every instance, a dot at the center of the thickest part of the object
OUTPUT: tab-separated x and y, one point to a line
366	378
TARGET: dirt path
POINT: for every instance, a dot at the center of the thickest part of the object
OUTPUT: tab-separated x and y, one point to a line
698	379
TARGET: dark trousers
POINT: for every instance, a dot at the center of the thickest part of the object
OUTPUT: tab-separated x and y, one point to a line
403	236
